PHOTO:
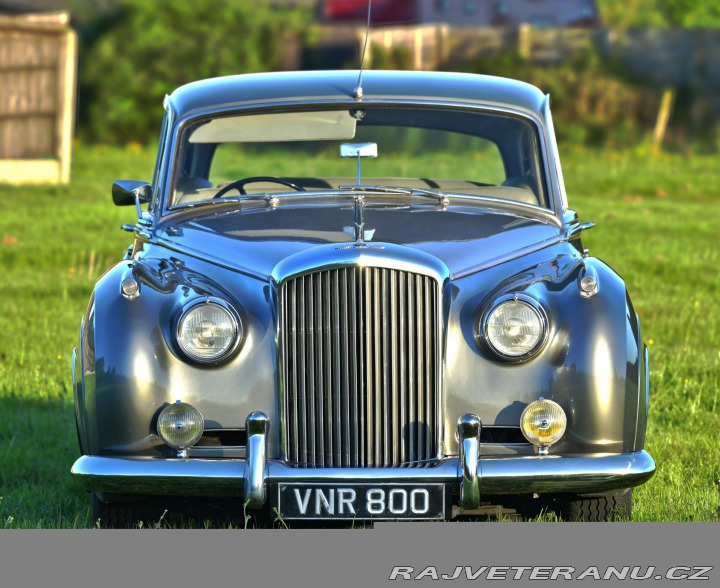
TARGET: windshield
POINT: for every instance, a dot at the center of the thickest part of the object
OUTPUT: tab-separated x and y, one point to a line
452	151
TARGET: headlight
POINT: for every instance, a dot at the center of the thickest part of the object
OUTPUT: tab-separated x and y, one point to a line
543	422
208	332
515	327
180	425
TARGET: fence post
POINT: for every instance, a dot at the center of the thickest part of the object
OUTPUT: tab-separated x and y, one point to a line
418	48
663	117
525	41
67	71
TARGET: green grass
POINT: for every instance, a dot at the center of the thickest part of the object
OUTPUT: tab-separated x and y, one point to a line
657	225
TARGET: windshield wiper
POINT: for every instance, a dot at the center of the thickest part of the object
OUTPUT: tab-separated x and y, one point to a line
270	199
436	194
383	189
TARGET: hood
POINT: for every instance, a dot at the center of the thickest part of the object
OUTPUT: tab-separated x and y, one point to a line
465	238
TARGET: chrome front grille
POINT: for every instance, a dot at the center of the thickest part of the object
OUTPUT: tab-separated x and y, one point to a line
361	368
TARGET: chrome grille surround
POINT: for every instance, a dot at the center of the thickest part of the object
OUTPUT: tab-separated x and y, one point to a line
361	356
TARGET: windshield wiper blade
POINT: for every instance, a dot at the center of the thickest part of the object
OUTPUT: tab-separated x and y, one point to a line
436	194
383	189
270	199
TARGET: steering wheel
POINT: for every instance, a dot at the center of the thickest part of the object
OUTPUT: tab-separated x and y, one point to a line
239	185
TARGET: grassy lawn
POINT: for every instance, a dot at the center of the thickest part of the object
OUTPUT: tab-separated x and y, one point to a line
657	225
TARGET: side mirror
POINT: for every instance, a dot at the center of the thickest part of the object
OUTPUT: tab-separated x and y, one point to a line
129	192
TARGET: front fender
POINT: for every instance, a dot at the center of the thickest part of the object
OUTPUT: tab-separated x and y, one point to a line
592	364
132	366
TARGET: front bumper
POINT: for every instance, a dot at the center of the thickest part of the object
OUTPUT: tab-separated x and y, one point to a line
469	475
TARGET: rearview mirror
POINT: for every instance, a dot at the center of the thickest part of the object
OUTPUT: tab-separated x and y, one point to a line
128	192
348	150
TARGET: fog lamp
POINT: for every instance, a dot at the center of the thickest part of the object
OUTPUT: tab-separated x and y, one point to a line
180	425
543	423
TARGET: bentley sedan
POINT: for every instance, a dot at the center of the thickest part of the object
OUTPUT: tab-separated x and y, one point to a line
358	298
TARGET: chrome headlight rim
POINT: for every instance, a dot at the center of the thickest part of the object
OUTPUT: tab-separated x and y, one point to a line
234	318
482	329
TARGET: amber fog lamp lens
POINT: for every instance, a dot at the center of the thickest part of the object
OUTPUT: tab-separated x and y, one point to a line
515	329
543	422
208	332
180	425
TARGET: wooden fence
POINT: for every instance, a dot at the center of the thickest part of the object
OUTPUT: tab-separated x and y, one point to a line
38	57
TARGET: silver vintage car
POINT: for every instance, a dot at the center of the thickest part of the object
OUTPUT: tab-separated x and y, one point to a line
360	298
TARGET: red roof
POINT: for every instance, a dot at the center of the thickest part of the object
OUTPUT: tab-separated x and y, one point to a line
383	11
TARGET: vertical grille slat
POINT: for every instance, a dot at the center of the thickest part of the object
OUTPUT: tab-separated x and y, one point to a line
412	371
342	417
401	347
361	374
355	390
420	364
310	385
429	372
376	359
385	416
319	392
369	348
300	374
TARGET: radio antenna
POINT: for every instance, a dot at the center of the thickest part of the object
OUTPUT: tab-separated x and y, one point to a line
358	94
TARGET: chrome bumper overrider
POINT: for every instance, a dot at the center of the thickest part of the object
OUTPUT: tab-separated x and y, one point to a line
470	476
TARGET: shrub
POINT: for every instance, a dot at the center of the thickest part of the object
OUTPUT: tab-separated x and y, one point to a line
592	101
153	47
398	57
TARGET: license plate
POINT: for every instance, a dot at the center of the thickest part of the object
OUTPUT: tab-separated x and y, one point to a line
361	501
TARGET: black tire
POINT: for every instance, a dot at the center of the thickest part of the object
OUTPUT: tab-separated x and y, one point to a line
606	506
123	515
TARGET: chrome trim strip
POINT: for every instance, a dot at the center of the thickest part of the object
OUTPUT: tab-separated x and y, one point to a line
552	157
469	427
383	256
511	475
257	425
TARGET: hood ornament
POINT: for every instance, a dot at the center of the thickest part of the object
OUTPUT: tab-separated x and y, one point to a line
359	151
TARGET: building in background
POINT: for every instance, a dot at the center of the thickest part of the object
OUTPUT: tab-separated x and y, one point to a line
498	13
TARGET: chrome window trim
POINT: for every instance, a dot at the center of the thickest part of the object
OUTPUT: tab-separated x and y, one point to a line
556	168
160	180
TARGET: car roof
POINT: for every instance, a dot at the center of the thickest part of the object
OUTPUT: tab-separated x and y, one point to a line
228	93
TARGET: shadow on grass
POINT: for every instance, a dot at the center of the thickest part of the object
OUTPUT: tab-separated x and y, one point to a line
38	446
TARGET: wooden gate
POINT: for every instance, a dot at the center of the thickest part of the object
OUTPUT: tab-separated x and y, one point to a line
38	67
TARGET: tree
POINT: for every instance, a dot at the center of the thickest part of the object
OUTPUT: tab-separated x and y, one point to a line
154	47
660	13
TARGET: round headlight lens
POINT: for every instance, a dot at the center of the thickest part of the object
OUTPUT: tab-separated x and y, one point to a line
180	425
515	328
208	332
543	422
